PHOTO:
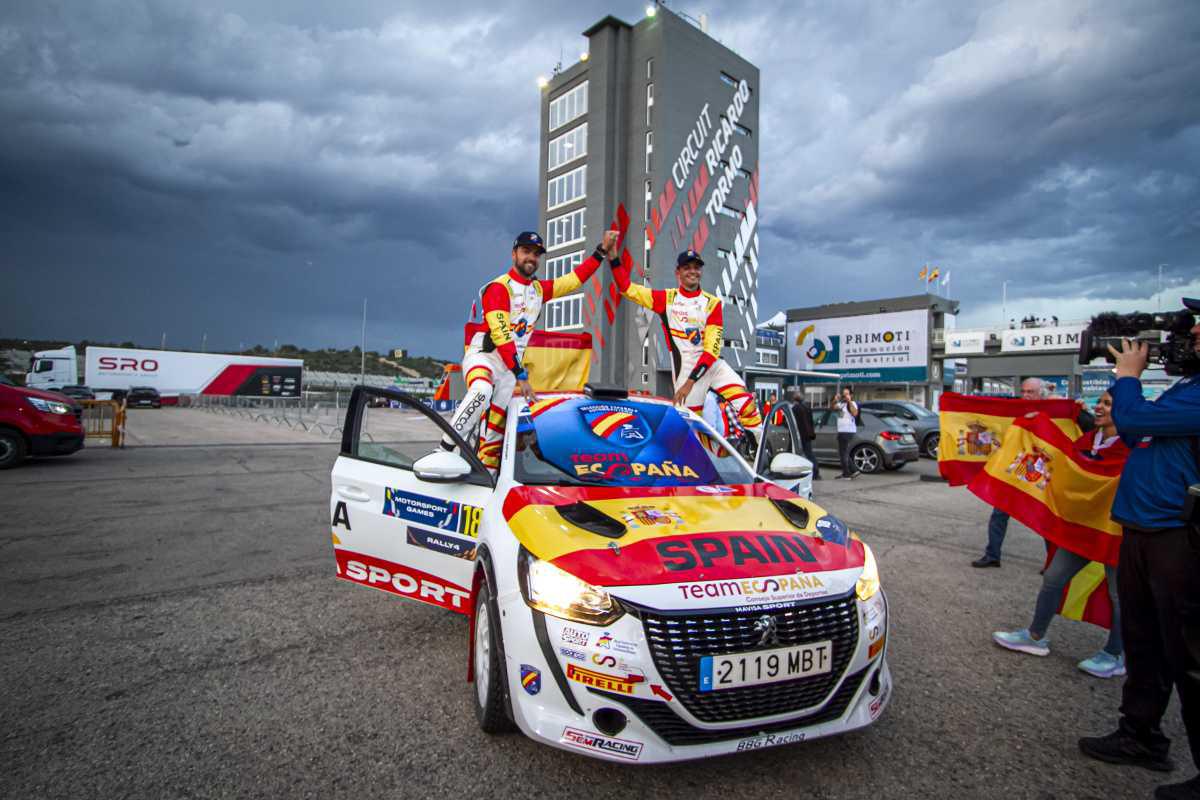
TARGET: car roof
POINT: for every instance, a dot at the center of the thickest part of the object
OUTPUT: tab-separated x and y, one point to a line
632	398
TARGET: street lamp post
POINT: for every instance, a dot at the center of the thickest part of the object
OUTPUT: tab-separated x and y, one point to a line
1004	302
362	350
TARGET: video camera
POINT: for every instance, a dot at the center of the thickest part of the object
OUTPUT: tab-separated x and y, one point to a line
1168	337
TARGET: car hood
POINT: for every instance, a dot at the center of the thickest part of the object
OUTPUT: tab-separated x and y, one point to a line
730	544
56	396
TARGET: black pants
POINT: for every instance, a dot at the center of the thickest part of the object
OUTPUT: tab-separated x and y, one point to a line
844	452
1158	586
806	446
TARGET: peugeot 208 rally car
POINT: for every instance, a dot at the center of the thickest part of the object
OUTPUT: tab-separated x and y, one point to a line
636	593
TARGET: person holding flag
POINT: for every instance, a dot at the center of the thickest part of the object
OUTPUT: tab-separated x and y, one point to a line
492	366
1102	444
693	324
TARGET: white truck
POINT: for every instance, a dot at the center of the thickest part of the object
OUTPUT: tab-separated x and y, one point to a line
170	372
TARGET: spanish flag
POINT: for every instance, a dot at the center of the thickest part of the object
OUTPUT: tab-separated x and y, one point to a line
556	361
1040	478
972	428
933	276
1086	597
924	272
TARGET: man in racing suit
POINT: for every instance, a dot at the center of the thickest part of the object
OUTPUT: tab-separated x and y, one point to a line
693	323
492	365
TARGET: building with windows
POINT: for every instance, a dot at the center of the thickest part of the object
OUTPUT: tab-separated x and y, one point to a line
885	349
662	118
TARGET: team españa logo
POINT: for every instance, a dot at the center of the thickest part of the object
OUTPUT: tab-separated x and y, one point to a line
616	424
976	439
1032	466
820	351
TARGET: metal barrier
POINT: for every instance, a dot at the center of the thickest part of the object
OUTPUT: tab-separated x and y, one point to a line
104	419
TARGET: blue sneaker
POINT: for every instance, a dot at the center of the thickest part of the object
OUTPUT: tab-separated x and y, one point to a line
1104	665
1022	642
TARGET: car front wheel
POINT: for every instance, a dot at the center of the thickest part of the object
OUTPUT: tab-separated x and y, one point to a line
866	458
930	445
489	666
12	449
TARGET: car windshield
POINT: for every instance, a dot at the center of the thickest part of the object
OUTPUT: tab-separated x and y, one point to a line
581	441
920	411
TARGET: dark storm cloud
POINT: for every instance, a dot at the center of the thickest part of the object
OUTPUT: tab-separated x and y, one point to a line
1051	144
252	170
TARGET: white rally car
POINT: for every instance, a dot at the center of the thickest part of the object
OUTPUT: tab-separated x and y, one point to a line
636	592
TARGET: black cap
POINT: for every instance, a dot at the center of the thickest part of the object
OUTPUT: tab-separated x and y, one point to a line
1192	303
531	239
688	256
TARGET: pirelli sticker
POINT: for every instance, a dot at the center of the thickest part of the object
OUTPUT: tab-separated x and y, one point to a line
432	512
622	684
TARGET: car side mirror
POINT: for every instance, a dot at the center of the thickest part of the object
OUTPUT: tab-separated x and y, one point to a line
441	467
790	465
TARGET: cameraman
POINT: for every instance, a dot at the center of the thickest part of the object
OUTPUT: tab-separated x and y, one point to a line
1159	569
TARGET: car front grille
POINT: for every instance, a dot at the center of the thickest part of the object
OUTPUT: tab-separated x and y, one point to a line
676	731
677	642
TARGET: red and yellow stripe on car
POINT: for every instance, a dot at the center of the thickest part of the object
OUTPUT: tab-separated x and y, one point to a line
605	424
699	533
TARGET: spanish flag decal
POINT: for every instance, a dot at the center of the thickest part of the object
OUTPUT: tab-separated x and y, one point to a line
606	424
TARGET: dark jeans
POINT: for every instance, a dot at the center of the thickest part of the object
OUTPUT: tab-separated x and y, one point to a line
806	446
1063	567
844	453
997	528
1159	587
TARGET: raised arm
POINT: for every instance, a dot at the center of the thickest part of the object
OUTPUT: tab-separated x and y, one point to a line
568	283
653	299
1134	415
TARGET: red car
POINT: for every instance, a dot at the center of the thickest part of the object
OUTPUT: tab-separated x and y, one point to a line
37	423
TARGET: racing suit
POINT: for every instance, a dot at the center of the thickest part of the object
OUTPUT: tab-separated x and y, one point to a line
492	364
694	324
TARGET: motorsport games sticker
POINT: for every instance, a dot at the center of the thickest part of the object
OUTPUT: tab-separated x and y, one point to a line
621	748
432	511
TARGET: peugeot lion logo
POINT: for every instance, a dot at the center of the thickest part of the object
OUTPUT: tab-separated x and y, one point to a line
766	627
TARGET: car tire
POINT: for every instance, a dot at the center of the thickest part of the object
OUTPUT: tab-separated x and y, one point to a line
867	458
930	445
12	449
490	678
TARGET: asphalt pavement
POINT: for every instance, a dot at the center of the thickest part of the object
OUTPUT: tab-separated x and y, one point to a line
171	627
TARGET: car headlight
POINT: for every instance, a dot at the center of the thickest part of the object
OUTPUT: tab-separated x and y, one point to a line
553	591
49	406
868	581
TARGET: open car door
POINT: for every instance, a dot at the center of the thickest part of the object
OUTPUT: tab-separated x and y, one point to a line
781	434
399	524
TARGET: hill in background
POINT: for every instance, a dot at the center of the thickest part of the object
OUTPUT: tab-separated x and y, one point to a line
327	360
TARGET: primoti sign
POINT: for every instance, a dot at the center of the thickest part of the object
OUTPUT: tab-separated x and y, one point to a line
870	348
173	373
1025	340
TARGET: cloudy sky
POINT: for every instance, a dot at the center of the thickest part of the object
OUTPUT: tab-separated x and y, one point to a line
251	170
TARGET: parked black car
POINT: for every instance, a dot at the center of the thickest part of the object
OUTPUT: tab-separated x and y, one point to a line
925	423
78	392
143	396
